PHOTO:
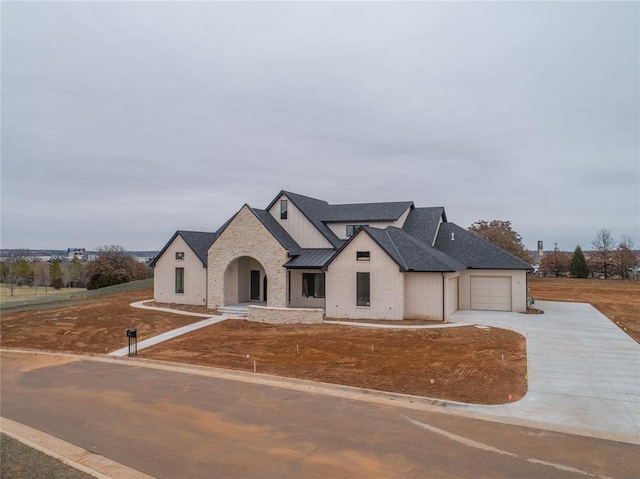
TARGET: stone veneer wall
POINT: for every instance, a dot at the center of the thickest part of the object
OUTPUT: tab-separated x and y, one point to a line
263	314
247	236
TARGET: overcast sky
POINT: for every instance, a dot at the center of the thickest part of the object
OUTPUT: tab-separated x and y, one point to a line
125	121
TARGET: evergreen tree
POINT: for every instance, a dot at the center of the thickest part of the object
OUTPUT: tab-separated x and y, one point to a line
578	266
55	274
75	272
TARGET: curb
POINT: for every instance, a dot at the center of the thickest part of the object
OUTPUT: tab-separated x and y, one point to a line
405	401
77	457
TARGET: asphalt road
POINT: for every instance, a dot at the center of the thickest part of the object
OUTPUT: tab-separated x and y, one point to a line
169	424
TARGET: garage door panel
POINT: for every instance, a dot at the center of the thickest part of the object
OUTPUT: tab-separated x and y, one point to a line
491	293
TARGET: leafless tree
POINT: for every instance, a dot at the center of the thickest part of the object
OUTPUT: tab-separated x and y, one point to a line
603	245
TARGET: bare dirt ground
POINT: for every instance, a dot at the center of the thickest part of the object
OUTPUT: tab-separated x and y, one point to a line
93	325
618	300
463	364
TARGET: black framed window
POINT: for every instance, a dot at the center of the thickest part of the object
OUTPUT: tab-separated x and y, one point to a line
284	206
179	255
363	256
179	280
363	289
313	285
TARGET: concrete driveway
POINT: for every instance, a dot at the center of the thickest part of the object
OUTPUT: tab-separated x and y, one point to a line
583	371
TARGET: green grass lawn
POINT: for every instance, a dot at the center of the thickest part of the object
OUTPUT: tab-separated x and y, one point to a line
21	293
25	298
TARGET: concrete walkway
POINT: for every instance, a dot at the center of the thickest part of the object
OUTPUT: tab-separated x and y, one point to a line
583	371
211	319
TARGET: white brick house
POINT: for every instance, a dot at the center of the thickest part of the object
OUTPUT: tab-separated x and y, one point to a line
372	260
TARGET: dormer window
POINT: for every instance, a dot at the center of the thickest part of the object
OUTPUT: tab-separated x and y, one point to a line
179	255
284	204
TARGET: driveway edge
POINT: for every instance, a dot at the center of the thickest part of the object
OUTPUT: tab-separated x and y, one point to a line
406	401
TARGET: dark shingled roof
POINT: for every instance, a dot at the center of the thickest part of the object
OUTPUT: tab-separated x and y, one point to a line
198	241
366	212
422	223
313	210
473	251
412	254
278	232
311	258
319	212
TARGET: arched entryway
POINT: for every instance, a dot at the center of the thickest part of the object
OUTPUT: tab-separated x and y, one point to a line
245	280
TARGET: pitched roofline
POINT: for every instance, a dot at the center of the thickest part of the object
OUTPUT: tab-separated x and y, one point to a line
288	194
528	268
224	227
286	248
175	235
403	268
155	260
273	202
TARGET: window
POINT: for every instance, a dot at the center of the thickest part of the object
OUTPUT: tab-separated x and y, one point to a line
179	280
313	285
363	256
284	204
362	289
179	255
351	229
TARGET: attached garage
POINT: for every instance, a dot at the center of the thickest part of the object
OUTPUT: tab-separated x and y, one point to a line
452	296
491	293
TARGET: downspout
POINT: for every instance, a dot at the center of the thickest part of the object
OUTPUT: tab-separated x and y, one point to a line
443	303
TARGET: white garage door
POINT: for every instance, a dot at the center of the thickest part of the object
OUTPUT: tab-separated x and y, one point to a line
491	293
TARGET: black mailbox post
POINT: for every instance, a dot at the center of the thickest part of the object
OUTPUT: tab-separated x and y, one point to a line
132	336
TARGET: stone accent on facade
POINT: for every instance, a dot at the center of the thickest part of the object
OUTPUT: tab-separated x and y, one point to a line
246	236
263	314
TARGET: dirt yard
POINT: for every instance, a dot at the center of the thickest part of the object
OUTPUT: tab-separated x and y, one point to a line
96	325
616	299
464	364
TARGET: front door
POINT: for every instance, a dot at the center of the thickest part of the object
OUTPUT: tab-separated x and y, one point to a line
255	285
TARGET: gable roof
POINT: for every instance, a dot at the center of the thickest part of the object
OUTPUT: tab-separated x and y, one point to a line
313	210
269	222
277	231
423	223
420	256
473	251
408	252
319	212
198	241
